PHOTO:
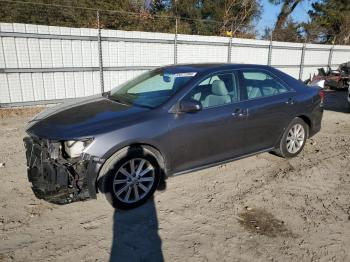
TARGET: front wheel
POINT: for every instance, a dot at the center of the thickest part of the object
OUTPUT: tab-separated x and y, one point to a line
293	139
130	178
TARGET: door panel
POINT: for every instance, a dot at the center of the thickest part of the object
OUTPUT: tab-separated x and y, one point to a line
270	103
205	137
216	132
268	116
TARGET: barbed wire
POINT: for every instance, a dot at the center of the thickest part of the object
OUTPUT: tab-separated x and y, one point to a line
103	12
111	11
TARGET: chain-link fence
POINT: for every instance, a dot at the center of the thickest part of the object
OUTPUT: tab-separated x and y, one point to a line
75	53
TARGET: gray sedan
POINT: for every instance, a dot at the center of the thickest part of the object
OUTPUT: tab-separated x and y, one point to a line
166	122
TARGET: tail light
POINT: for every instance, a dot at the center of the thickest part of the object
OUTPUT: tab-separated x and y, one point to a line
321	95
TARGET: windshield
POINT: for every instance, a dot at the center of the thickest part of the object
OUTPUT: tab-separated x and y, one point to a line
152	88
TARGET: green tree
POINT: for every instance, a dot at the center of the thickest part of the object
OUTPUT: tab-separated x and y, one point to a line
122	14
330	22
219	16
208	17
287	8
290	32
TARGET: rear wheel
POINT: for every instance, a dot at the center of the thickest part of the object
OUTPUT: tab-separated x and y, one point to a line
293	139
130	178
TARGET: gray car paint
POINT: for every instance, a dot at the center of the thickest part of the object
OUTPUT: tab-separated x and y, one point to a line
185	140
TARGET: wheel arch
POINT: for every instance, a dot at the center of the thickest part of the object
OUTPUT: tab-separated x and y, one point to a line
150	148
279	145
308	121
305	118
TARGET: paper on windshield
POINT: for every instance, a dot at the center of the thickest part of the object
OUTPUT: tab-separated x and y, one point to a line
187	74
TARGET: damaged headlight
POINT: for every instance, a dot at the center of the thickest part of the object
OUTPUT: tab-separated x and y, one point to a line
54	149
75	148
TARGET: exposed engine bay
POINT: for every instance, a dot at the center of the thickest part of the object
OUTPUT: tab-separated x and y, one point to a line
55	176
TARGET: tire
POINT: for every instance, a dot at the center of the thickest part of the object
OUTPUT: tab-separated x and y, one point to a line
127	189
296	133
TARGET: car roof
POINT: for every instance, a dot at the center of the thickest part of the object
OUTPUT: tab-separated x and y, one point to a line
201	67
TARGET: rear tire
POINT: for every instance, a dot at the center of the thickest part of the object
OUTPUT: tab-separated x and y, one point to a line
130	177
293	139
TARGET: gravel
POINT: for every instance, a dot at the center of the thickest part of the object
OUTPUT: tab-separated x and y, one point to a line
262	208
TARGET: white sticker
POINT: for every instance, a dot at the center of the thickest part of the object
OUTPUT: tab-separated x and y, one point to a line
188	74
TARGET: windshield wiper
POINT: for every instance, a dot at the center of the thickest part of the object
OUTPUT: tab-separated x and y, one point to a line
106	94
118	100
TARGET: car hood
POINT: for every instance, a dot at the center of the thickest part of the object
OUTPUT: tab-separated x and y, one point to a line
83	118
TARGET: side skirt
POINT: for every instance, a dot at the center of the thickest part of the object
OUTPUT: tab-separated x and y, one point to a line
221	162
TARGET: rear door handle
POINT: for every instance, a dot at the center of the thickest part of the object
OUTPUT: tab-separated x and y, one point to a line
290	101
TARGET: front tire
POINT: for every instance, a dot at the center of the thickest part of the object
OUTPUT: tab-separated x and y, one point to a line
130	177
293	139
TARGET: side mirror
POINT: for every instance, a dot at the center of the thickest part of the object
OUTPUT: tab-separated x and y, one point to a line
191	106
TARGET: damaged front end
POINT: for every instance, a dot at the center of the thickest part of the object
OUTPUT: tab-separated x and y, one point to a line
55	176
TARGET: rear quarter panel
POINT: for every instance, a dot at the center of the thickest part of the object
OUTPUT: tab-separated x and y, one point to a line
307	101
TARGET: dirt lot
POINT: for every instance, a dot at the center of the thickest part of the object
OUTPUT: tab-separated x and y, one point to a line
262	208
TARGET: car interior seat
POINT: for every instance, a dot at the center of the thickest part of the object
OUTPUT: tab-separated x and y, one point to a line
219	95
253	92
269	87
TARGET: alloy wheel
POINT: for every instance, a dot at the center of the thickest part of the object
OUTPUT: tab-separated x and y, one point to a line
295	138
133	180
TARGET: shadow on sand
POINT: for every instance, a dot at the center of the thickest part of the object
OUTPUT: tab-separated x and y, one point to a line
135	235
135	231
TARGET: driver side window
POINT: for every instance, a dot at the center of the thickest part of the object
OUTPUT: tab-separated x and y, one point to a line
216	90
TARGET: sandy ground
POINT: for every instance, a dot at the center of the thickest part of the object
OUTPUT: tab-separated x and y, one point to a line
262	208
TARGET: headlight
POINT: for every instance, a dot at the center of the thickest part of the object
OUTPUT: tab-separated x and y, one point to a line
54	149
75	148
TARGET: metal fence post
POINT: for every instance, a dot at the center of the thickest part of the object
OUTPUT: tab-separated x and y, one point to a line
100	58
330	56
229	50
175	43
301	68
269	57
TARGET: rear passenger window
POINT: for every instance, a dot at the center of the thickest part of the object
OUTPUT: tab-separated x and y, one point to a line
216	90
260	84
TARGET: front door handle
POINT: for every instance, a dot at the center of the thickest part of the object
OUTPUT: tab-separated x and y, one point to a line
240	112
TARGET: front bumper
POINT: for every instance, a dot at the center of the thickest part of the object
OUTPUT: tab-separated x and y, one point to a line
56	179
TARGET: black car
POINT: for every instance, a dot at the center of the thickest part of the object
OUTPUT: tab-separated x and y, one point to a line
166	122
